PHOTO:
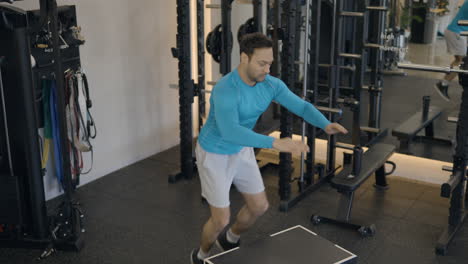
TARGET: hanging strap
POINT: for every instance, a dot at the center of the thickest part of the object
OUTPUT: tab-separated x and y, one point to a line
47	121
55	131
90	124
45	153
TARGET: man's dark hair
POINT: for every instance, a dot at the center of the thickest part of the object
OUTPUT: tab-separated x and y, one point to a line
252	41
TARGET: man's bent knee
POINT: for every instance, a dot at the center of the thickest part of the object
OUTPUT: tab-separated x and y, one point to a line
263	208
257	204
259	208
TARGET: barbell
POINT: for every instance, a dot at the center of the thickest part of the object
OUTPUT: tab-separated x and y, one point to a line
429	68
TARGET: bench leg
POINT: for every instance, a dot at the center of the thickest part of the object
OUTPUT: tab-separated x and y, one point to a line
344	215
405	146
346	204
381	179
430	130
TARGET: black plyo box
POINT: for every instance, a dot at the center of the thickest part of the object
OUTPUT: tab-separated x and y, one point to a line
296	245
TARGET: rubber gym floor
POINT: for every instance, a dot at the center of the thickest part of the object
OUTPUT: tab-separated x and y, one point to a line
135	216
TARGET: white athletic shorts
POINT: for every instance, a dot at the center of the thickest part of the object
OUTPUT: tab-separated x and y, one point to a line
456	44
218	172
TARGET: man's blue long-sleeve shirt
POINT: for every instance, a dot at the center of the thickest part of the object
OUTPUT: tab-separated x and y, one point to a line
236	106
461	15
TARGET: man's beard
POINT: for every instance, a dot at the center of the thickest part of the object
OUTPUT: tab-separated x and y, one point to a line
261	78
258	78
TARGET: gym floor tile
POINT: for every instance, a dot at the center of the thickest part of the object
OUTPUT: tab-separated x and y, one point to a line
135	216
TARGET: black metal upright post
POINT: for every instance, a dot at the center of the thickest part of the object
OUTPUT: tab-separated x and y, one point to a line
226	39
275	67
298	43
201	62
313	84
334	79
350	41
69	220
186	91
362	26
376	11
377	21
455	188
258	14
305	177
276	27
59	75
289	76
394	12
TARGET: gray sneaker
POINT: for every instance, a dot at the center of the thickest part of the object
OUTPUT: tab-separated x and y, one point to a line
442	90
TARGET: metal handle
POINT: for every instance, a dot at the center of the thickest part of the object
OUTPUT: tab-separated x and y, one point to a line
351	55
215	6
430	68
352	14
377	8
448	187
330	110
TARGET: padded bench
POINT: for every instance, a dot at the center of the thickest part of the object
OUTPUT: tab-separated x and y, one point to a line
372	161
407	131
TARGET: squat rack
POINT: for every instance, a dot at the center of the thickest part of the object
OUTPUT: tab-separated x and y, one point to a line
455	188
187	87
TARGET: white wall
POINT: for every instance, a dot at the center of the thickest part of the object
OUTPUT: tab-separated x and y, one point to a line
129	66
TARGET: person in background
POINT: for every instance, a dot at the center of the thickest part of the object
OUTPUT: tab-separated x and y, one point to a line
457	46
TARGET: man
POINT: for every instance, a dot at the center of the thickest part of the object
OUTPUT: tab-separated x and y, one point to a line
456	45
225	145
